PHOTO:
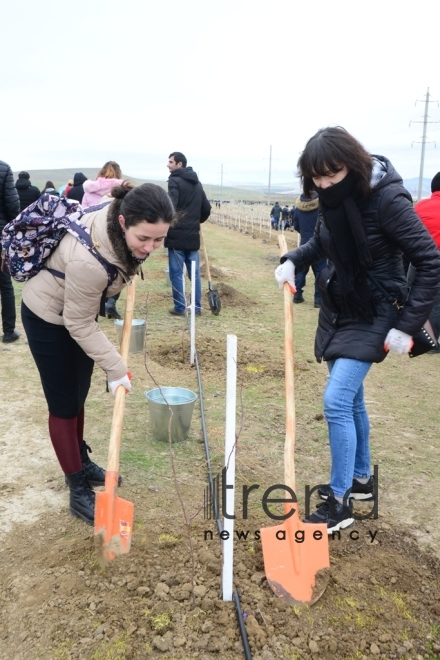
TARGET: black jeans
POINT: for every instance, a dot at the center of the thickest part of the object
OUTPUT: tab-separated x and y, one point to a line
8	302
65	369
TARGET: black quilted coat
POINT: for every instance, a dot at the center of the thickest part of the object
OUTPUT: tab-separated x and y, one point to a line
9	200
391	227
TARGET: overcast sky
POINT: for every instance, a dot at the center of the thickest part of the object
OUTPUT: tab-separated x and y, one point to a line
220	80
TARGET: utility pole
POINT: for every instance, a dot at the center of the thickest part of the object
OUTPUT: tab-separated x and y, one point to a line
423	141
270	172
221	185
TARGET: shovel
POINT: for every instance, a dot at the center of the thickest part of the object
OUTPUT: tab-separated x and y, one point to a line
215	304
296	555
114	515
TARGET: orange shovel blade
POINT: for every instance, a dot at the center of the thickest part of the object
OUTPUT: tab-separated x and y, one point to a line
113	522
296	560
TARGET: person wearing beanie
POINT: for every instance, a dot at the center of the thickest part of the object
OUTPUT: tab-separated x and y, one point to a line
77	191
27	193
428	211
9	209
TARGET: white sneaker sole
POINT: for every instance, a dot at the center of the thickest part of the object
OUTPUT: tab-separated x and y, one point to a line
344	524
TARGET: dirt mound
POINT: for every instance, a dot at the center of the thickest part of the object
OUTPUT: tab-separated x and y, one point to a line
216	273
382	598
211	353
231	297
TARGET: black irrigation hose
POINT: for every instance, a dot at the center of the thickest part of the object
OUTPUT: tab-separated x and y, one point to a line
235	596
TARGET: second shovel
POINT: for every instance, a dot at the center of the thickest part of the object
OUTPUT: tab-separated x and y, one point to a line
215	304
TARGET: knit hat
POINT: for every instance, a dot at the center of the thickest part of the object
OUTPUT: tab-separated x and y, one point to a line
24	175
435	183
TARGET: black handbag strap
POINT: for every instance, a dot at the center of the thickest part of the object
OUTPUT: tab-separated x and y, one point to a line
391	299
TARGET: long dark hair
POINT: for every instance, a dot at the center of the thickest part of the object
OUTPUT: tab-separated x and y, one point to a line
145	202
329	150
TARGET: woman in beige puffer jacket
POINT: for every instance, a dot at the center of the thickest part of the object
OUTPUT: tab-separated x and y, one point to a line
60	319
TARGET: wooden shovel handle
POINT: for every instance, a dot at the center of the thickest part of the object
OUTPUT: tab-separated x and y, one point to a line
205	254
119	406
289	445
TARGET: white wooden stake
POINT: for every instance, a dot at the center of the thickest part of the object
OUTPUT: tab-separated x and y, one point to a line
193	310
230	448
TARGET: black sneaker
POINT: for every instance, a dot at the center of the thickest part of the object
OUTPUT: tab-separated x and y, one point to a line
175	312
334	514
298	299
9	337
364	492
317	305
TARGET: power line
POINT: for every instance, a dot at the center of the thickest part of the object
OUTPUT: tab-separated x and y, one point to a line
423	141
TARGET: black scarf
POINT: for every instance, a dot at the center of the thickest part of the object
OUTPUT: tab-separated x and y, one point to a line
348	246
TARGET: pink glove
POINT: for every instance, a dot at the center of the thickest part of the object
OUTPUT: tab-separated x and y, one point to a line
398	342
286	273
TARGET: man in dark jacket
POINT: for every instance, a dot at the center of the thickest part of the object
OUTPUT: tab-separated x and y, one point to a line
183	239
27	193
77	192
9	209
305	216
276	212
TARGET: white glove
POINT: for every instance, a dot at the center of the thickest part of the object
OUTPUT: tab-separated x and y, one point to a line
286	273
398	341
125	381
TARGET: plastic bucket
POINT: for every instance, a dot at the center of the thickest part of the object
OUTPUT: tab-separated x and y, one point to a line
167	276
181	402
137	335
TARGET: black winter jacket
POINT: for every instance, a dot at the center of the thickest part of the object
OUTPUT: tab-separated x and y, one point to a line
191	203
27	193
304	217
276	211
391	227
77	192
9	200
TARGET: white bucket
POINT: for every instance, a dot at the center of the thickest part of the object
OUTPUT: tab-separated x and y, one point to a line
137	335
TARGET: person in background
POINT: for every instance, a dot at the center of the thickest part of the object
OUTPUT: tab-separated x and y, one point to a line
77	191
50	188
284	217
9	209
27	193
366	220
59	317
108	177
276	212
428	211
183	239
305	216
68	187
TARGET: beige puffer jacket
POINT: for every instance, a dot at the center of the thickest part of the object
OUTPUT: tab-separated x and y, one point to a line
75	300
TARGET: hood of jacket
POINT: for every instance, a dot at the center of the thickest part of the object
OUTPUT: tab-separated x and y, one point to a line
186	173
23	184
79	179
306	204
383	173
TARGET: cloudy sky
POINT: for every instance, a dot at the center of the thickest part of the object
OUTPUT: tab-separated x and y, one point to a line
220	80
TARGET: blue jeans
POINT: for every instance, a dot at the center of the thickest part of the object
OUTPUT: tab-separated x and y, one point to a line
300	279
348	424
176	259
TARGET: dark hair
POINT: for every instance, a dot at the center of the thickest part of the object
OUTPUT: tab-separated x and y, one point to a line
178	158
329	150
145	202
110	170
24	175
49	184
435	183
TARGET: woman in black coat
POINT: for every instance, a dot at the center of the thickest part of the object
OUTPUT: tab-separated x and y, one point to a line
366	221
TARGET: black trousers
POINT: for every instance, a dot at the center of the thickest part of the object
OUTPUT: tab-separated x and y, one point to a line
8	302
65	369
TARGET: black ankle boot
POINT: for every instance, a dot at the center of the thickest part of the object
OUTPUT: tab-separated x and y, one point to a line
110	309
95	474
82	497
